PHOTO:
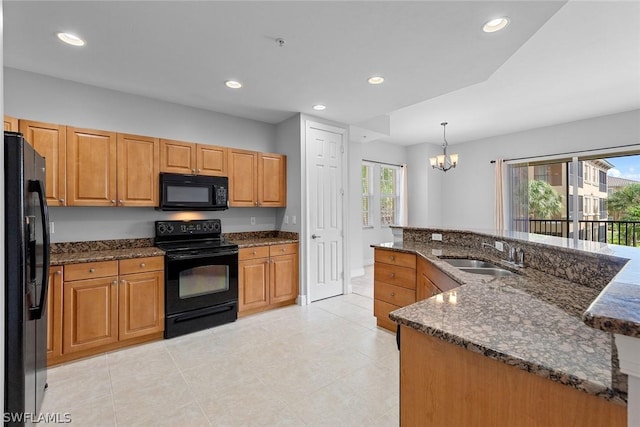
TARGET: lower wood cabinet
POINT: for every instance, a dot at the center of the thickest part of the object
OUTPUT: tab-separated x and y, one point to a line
432	281
104	305
394	284
267	277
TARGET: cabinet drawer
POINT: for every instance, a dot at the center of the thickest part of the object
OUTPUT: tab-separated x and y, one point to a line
394	275
284	249
393	294
253	253
395	258
90	270
141	265
381	311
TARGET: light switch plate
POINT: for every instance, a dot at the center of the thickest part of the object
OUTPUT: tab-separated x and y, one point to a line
437	237
286	219
293	220
253	220
52	229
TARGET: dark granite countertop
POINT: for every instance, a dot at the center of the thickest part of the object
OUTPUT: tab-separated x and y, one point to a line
262	241
261	238
104	255
531	320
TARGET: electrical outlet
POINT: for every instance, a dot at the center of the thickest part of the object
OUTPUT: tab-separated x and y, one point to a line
293	220
437	237
51	228
286	219
499	246
253	220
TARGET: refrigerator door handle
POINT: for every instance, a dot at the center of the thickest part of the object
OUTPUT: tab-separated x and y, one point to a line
37	187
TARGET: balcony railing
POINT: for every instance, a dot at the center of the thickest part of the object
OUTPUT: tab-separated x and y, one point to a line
625	233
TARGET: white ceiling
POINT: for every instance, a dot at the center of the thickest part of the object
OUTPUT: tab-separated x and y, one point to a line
555	63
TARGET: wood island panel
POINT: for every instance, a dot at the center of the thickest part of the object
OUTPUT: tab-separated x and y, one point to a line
445	385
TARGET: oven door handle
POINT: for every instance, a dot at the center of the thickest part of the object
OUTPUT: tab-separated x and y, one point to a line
178	257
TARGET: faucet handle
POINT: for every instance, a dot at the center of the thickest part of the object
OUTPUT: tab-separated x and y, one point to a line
520	257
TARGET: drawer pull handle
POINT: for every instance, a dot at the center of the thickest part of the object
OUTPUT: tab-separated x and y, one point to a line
393	294
142	265
392	258
92	270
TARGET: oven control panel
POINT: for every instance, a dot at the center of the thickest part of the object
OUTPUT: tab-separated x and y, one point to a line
180	228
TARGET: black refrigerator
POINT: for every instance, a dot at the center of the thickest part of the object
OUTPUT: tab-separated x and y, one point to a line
26	280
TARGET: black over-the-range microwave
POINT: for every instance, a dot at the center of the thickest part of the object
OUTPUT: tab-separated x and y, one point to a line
193	192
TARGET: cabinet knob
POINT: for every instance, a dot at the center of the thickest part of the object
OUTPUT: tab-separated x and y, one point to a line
121	202
393	294
193	170
61	201
256	203
392	275
114	282
199	170
254	252
392	258
142	265
92	270
283	250
123	281
58	272
113	202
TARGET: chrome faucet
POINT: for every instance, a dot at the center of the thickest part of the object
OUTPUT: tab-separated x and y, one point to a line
514	255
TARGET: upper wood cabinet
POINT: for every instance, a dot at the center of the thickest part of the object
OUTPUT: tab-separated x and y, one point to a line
137	170
50	141
91	167
109	169
257	179
272	180
192	159
10	124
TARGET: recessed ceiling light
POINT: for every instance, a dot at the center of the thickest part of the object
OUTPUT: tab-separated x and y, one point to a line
233	84
375	80
495	24
319	107
71	39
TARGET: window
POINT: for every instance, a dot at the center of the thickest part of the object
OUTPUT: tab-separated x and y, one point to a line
380	195
367	195
388	195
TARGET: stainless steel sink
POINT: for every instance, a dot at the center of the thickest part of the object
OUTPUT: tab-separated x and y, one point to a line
471	263
477	266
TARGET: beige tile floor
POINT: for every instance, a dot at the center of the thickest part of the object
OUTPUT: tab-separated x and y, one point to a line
324	364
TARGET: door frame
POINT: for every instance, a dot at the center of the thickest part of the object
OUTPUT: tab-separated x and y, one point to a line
305	232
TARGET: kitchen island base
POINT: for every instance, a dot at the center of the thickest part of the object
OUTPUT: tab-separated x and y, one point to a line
442	384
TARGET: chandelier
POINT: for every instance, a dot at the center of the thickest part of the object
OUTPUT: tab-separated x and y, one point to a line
442	161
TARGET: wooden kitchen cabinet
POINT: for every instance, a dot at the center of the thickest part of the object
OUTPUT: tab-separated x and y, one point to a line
106	305
267	277
192	159
272	180
394	284
141	297
54	314
137	170
50	141
10	124
432	281
90	306
91	167
257	179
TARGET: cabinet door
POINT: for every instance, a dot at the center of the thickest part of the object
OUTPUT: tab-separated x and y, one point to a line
177	157
10	124
426	288
50	141
137	170
272	180
54	314
141	304
243	173
211	160
283	278
253	282
91	167
90	314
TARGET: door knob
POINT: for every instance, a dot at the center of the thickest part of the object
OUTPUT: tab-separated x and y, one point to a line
315	236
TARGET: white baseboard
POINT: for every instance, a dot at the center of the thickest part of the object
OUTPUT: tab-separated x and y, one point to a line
367	262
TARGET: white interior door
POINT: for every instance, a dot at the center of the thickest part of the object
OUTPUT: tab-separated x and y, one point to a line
324	169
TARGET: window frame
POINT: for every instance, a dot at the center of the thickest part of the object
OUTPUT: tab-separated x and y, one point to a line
370	195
